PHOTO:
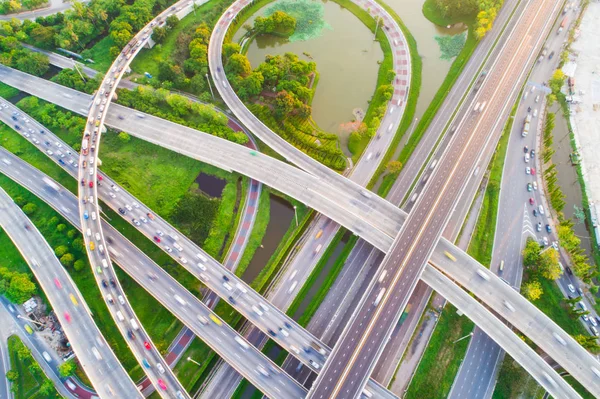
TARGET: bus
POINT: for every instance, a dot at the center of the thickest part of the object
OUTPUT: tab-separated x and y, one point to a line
379	297
50	184
215	319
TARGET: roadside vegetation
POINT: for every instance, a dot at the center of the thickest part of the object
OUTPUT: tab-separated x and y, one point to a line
14	55
17	6
27	377
485	12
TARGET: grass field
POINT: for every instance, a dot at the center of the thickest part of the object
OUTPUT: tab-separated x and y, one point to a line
31	376
100	53
440	362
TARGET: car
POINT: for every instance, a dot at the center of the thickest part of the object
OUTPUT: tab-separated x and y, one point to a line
271	332
539	227
112	195
571	288
130	334
146	364
537	98
104	284
160	368
113	283
135	205
529	187
85	215
143	219
526	157
534	185
569	271
525	149
57	283
160	233
527	170
168	249
147	345
67	317
545	241
91	184
156	238
129	208
115	188
532	153
225	278
535	212
136	222
288	325
548	229
183	260
541	209
92	246
531	201
551	55
122	211
150	216
162	384
533	171
585	317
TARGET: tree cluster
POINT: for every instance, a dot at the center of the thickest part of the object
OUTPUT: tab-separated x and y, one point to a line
541	263
180	109
23	354
71	78
14	55
279	23
17	287
12	6
485	12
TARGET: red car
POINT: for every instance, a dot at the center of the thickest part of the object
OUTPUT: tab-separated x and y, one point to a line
91	184
147	345
162	385
68	317
99	178
157	238
531	201
57	283
533	171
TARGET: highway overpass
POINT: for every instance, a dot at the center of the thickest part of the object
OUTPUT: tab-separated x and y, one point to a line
95	356
147	127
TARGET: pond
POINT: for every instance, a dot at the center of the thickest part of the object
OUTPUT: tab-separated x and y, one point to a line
210	185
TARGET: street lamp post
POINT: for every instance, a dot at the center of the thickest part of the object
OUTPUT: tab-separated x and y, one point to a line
193	361
376	27
296	215
466	336
210	87
413	127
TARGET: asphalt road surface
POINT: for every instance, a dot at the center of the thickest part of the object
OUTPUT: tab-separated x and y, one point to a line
98	361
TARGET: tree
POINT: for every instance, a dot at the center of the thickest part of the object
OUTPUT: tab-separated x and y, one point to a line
43	36
548	265
531	253
67	260
61	227
77	244
533	290
394	167
231	48
67	369
124	137
239	65
172	21
33	63
79	265
12	375
20	289
588	342
159	35
47	387
61	250
557	81
29	208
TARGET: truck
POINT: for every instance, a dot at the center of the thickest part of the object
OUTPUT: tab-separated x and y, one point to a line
379	297
84	147
526	125
563	23
404	314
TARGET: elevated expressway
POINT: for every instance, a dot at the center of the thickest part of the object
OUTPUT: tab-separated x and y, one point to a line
193	313
97	359
162	378
187	144
162	286
363	340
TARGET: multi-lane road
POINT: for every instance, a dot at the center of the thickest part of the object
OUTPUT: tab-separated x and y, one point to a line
142	118
97	359
365	335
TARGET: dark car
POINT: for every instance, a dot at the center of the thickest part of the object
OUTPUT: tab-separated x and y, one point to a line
14	118
532	153
271	332
569	271
548	229
104	284
82	182
525	149
551	55
113	283
17	127
225	278
231	299
288	325
122	211
130	334
535	213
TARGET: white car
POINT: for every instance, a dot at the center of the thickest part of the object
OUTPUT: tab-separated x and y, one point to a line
112	195
528	170
541	209
534	185
129	208
571	288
